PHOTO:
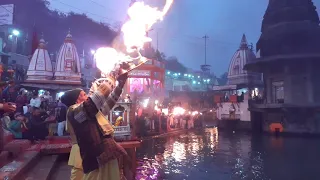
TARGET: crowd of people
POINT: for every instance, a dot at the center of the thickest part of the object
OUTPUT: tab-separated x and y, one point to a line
30	115
151	123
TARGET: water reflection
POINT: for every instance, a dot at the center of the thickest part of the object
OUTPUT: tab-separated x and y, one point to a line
211	155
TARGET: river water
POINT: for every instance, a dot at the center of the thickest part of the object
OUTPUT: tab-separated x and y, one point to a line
212	155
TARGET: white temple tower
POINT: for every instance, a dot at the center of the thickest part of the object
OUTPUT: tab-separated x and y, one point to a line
68	63
237	75
40	67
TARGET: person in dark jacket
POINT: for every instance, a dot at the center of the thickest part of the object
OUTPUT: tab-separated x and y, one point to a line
61	115
94	133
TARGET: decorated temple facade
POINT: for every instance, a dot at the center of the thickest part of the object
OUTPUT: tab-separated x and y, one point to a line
41	75
289	57
147	80
40	67
68	67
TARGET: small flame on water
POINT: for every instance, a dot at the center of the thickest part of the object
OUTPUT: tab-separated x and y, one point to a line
141	19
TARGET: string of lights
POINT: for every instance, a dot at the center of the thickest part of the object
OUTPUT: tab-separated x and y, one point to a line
195	79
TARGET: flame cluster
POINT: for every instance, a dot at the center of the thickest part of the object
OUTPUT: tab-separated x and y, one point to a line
141	19
178	111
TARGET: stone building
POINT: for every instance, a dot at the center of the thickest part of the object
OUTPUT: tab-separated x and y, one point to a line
289	58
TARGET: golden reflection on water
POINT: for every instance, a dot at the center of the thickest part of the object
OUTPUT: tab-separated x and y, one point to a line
178	152
205	155
183	150
214	136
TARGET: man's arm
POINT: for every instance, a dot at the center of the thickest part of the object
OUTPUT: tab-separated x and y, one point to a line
100	96
113	98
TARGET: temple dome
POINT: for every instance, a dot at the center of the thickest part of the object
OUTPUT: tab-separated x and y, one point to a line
237	75
68	63
40	67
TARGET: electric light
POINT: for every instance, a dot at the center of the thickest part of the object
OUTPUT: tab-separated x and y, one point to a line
15	32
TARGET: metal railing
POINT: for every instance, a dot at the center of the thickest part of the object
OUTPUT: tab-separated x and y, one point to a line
122	130
230	116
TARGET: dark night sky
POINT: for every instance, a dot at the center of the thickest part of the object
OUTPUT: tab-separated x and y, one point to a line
224	21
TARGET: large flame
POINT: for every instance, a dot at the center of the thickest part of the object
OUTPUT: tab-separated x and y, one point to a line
108	58
178	111
141	19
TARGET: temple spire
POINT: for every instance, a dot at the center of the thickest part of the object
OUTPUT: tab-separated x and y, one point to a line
40	67
289	27
244	42
68	67
42	42
69	36
287	11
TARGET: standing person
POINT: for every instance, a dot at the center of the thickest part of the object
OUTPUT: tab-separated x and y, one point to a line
10	93
21	100
61	115
38	124
92	133
35	101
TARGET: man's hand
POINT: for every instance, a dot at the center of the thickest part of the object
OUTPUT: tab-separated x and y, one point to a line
9	107
123	78
103	85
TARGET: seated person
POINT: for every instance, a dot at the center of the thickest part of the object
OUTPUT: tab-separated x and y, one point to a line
38	124
6	121
18	126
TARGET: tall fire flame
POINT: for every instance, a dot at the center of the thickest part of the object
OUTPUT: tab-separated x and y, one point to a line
141	18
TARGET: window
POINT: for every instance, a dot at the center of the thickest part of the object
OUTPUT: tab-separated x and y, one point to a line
236	70
278	92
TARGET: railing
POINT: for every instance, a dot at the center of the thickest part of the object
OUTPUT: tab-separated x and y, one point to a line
122	130
230	116
256	101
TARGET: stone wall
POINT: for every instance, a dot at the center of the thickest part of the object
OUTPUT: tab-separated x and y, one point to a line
293	120
298	82
235	125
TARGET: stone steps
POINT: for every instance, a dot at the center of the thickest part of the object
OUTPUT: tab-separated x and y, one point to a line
19	165
42	169
22	160
62	170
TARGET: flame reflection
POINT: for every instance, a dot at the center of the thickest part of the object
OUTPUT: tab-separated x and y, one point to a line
214	136
201	155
